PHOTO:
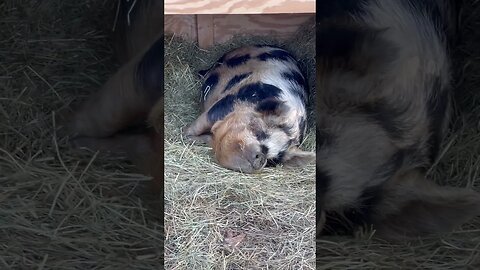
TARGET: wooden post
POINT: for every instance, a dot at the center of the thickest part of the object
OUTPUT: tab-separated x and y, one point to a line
205	30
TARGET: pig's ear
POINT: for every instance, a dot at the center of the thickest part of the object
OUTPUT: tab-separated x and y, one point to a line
202	73
295	157
272	107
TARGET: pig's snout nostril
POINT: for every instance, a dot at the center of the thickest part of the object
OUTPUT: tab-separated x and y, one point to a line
258	161
258	157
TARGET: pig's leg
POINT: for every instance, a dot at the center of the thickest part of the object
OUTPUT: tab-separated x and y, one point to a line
199	130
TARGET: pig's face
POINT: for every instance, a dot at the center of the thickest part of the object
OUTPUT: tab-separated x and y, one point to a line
247	140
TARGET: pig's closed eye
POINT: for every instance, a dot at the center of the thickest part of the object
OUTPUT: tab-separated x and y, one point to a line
264	149
261	135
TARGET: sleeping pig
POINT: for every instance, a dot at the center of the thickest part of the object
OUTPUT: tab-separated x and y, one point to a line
384	87
253	109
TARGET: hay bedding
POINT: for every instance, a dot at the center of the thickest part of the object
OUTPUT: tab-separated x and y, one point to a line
62	208
219	219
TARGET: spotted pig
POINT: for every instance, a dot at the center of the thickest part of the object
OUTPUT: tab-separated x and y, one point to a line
384	86
253	109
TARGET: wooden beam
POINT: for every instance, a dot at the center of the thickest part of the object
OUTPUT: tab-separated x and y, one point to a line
239	6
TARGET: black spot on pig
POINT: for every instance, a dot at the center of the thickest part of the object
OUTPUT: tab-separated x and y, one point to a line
149	71
280	55
237	61
236	80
